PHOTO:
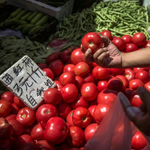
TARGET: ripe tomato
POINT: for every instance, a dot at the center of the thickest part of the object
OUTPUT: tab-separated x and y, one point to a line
89	91
107	33
8	96
138	141
143	76
135	83
81	117
147	44
58	85
129	74
100	111
69	68
101	85
56	66
26	116
44	145
50	58
56	130
37	132
18	102
77	56
45	112
42	65
115	83
147	86
91	109
127	38
90	130
100	72
69	118
106	96
92	40
15	109
52	96
49	73
137	69
69	93
67	78
139	39
65	55
135	99
79	82
131	47
75	137
81	69
115	71
120	43
89	78
5	108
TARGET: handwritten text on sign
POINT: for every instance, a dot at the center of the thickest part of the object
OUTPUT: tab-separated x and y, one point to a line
27	81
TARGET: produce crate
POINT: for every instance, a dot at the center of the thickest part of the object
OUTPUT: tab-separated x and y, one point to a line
33	5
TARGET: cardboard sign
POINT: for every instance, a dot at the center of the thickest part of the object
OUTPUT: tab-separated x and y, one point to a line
27	81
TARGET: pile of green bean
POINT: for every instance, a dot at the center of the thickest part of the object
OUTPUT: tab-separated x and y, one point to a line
122	17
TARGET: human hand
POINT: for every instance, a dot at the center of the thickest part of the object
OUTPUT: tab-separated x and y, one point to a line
109	56
140	116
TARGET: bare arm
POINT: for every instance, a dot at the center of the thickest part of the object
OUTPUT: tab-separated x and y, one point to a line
139	58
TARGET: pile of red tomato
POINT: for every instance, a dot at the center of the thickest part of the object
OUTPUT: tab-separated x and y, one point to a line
71	112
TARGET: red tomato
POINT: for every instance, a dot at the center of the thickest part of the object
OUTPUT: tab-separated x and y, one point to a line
92	40
37	132
69	118
147	44
69	93
6	129
56	130
91	109
17	127
6	144
63	109
15	108
18	102
56	66
138	141
26	116
49	73
135	99
5	108
100	72
143	76
129	74
115	83
128	92
106	96
81	69
52	96
42	65
147	86
115	71
58	85
107	33
81	117
101	85
139	39
65	55
50	58
100	111
127	38
89	78
45	112
75	136
137	69
90	130
79	82
69	68
67	78
77	56
8	96
89	91
22	140
79	101
131	47
29	146
135	83
120	43
44	145
11	116
124	81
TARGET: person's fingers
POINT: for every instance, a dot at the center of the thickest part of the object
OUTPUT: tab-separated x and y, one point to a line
81	47
101	60
88	55
105	40
145	97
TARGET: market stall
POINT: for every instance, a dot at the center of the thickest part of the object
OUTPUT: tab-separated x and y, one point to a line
50	97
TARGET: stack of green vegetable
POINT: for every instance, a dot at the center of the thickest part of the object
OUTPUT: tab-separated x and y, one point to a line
28	22
122	17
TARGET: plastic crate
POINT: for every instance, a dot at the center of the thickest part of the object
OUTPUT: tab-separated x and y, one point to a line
33	5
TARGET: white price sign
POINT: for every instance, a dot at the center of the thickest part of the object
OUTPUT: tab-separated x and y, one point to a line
27	81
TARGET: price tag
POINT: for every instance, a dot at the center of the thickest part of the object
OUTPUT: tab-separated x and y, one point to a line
27	81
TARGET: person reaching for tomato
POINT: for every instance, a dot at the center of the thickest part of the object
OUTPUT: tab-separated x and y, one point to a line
109	56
